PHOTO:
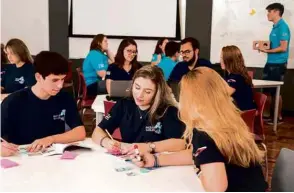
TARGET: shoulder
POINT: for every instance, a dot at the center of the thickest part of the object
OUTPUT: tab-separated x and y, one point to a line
29	66
234	77
180	65
204	62
18	97
113	66
96	53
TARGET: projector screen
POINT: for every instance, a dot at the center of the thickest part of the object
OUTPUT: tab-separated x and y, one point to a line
134	18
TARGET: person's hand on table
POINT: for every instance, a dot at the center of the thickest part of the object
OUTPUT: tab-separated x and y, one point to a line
131	150
8	149
147	160
40	144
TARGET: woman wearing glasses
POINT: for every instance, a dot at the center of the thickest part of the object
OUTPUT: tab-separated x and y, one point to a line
126	63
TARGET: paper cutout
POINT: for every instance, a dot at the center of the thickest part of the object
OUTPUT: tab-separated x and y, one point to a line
6	163
252	12
69	155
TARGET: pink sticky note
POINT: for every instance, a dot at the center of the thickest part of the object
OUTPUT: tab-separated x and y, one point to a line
6	163
69	155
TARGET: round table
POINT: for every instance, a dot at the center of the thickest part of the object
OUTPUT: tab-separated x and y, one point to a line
92	171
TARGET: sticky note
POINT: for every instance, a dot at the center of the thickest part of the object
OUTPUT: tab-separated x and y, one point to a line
252	12
69	155
6	163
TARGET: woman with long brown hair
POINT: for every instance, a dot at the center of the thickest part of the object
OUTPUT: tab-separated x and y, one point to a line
149	118
20	73
237	77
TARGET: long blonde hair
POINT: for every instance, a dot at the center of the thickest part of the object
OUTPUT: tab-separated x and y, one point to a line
206	105
162	98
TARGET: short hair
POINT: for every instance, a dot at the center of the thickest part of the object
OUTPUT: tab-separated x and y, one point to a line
195	43
47	62
276	6
171	48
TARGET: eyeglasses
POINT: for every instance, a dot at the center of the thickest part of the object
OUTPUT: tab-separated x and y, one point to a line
132	52
185	52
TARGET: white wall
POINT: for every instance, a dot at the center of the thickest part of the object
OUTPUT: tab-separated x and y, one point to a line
79	47
27	20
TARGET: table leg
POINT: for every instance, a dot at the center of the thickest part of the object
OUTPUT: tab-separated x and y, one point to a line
99	117
276	113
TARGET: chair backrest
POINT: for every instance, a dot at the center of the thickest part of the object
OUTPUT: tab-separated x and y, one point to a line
82	87
250	73
68	77
249	118
107	107
283	174
260	100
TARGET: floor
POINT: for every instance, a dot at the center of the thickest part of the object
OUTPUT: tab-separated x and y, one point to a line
274	143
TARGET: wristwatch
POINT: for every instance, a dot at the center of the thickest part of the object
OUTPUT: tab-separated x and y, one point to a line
152	147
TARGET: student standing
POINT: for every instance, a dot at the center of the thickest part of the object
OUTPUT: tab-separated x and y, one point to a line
96	64
126	63
224	150
278	54
168	63
237	77
37	115
148	118
159	52
20	73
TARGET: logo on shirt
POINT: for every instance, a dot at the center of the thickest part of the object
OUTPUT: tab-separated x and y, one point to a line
284	34
156	129
20	80
108	72
107	117
231	80
60	116
100	65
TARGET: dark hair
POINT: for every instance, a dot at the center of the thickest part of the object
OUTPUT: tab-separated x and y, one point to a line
19	48
172	48
120	59
276	6
195	43
4	59
158	50
47	62
96	42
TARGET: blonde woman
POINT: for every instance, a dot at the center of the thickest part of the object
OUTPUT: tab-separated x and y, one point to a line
224	150
148	119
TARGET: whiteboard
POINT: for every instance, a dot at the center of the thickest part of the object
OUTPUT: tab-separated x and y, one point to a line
141	18
26	20
240	22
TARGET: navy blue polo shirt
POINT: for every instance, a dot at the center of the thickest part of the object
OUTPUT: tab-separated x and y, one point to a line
14	78
243	95
25	117
135	126
182	68
116	73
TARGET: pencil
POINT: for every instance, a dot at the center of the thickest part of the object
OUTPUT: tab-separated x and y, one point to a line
3	140
109	135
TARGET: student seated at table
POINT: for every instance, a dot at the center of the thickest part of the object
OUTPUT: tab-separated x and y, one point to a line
20	73
37	115
229	159
148	118
237	77
168	63
96	64
126	63
159	52
190	53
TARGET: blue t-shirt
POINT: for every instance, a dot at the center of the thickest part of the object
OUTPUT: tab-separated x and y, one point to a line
155	57
182	68
167	65
280	32
95	61
243	95
116	73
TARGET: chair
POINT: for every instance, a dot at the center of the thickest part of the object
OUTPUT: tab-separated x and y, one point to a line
107	107
283	174
250	73
249	118
68	81
83	101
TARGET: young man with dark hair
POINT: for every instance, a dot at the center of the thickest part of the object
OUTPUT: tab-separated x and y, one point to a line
190	53
278	54
37	115
168	63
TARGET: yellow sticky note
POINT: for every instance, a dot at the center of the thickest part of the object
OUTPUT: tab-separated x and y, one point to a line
252	12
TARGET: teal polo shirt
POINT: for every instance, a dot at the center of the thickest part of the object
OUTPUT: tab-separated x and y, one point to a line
155	57
167	65
95	61
280	32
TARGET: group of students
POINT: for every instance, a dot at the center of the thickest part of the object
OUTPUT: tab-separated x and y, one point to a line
204	128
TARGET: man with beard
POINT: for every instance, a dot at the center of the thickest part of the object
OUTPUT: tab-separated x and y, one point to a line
189	51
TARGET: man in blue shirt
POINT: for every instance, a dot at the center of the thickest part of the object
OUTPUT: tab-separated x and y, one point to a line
189	50
168	63
278	54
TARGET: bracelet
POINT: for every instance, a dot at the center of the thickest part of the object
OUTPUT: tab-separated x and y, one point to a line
102	141
156	163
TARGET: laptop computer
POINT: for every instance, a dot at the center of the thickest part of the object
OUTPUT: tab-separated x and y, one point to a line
120	88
